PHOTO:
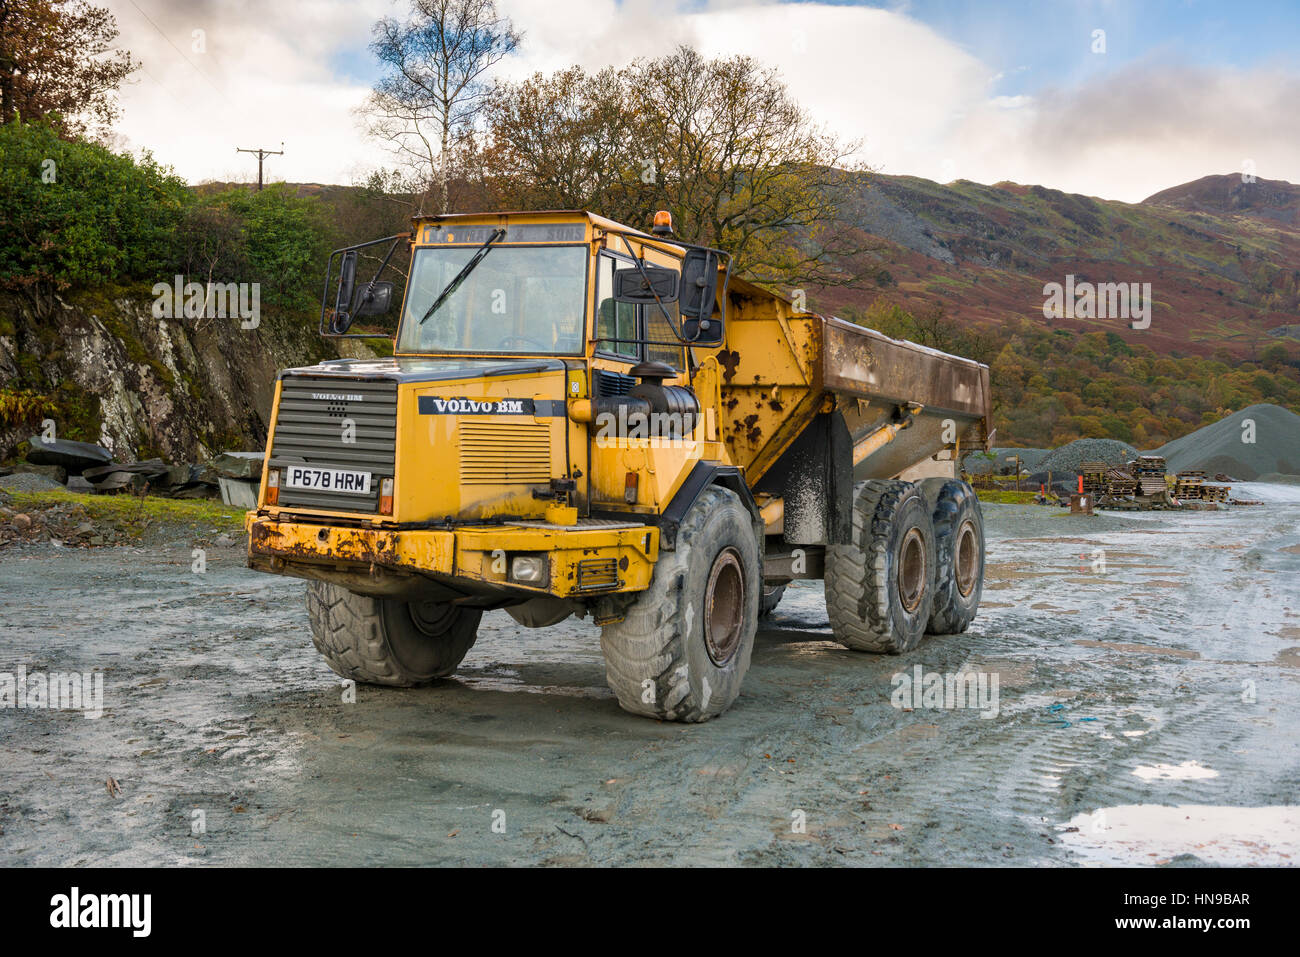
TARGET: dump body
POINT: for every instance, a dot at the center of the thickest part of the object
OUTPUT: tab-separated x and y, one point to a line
903	403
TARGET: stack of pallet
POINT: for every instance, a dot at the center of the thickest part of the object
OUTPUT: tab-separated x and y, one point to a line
1107	484
1149	472
1191	486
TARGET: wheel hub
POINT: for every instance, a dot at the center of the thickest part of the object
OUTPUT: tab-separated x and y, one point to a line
433	618
967	560
912	569
724	606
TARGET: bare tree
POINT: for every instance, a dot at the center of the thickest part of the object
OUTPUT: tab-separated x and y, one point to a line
434	85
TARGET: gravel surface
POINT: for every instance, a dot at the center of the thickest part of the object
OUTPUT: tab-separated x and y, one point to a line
1147	714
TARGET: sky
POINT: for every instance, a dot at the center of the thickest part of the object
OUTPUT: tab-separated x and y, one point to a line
1110	98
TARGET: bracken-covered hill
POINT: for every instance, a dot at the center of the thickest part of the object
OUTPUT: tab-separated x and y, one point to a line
1222	256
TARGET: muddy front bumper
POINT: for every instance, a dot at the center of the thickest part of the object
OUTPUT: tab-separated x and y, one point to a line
579	561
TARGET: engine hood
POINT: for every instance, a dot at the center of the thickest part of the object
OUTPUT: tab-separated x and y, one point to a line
426	369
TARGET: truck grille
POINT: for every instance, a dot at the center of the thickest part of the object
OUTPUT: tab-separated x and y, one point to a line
505	453
309	430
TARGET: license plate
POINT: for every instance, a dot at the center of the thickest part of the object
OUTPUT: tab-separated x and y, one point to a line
327	480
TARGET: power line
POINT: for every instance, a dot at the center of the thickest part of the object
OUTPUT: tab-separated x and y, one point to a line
180	51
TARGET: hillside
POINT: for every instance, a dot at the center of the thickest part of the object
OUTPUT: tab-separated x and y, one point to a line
1223	262
1268	200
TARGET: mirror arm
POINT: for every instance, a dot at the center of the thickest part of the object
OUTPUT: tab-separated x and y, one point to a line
640	266
370	286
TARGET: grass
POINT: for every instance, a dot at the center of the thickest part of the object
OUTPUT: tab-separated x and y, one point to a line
1002	496
134	513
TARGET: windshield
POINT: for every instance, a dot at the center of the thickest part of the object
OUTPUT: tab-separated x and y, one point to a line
517	299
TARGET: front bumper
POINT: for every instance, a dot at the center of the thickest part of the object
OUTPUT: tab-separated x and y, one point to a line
589	559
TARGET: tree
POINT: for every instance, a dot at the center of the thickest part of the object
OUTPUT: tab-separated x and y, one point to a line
747	169
434	86
76	214
57	62
564	141
720	143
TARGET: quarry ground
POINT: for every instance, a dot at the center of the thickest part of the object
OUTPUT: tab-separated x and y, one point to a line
1147	713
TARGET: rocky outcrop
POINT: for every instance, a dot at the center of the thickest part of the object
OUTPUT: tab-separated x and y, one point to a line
108	371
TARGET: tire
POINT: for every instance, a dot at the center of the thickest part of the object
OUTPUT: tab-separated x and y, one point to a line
880	589
381	641
771	597
959	556
677	655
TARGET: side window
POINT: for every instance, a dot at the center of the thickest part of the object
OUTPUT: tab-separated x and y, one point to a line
614	320
660	330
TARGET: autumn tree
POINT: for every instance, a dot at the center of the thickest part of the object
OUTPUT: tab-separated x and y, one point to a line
57	62
718	142
434	86
567	140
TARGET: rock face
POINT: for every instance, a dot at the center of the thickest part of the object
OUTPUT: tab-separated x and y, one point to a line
114	375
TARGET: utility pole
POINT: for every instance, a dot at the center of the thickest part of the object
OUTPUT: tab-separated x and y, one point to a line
261	155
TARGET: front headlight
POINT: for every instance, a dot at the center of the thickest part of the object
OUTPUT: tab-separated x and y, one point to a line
530	569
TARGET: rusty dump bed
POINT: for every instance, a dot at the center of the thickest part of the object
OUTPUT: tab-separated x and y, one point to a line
942	398
903	403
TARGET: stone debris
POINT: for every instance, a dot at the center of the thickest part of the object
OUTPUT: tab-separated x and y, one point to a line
75	457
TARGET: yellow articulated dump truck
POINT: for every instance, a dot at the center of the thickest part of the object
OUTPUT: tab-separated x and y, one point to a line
580	418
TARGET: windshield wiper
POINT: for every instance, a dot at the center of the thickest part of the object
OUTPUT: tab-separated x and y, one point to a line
452	286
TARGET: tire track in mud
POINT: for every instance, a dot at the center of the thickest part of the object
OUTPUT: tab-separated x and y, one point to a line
219	703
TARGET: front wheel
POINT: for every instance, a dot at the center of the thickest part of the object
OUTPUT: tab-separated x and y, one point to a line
382	641
682	651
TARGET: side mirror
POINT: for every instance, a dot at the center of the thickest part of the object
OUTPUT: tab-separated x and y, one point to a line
699	293
659	282
342	318
374	300
347	279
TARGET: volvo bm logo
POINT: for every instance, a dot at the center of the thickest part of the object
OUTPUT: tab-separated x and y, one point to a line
335	397
433	405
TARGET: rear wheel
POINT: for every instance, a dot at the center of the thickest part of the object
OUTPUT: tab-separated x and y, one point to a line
682	651
959	554
387	642
880	588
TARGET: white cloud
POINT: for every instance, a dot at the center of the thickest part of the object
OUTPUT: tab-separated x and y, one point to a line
921	104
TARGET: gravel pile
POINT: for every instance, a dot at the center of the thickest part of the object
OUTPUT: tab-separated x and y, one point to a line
28	482
1069	458
1005	461
1223	446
